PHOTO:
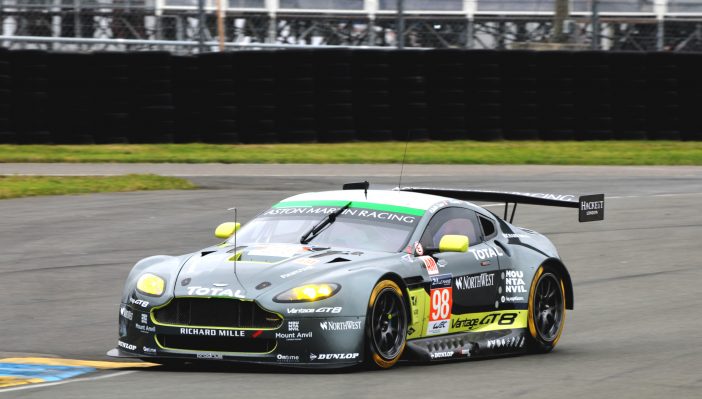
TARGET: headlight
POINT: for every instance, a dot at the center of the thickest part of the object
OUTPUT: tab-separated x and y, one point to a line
151	284
308	293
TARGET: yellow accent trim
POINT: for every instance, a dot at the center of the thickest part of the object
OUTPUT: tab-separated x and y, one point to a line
153	319
532	327
204	351
417	312
50	361
6	382
453	243
226	229
487	321
555	341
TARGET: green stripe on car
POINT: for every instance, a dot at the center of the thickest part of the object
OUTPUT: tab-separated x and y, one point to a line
355	204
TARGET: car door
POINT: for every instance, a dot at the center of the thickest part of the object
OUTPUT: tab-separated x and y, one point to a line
466	282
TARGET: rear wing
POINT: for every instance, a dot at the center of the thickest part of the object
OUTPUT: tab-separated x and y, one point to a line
590	207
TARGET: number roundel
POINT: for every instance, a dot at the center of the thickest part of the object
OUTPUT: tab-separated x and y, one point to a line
440	304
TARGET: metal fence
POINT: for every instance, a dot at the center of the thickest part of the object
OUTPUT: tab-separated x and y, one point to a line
191	26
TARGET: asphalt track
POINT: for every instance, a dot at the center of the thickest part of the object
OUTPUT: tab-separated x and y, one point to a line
636	331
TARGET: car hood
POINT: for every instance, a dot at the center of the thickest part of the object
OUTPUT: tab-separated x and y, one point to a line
248	272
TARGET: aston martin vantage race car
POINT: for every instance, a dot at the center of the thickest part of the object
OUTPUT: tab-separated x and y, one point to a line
338	278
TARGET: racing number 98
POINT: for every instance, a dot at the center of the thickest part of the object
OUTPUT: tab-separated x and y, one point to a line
440	303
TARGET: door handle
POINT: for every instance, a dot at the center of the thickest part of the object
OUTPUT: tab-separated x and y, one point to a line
485	263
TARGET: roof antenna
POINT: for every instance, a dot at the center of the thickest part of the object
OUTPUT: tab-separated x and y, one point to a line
402	168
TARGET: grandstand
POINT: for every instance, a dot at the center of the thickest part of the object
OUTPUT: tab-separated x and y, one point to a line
187	26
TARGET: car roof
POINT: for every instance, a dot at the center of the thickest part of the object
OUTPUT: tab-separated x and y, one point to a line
385	197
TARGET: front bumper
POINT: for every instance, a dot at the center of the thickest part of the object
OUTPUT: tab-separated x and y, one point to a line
300	340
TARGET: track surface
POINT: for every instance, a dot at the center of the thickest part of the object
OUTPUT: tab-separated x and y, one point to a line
635	330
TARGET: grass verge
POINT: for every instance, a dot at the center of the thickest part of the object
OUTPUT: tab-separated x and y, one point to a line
29	186
434	152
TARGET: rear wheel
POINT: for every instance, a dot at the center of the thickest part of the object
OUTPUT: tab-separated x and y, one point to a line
386	324
546	310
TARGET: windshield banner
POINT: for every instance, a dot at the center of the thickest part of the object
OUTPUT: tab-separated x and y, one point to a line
351	213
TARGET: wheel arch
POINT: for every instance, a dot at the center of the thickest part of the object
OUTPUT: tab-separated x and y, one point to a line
401	283
563	272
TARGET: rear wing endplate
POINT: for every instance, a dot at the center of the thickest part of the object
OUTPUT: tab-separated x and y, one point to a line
590	207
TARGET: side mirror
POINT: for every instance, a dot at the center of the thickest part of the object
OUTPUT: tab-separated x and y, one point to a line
453	243
226	230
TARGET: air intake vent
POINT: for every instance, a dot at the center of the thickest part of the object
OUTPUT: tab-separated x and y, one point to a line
216	312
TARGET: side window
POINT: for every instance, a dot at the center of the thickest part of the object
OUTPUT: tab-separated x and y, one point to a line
451	221
488	226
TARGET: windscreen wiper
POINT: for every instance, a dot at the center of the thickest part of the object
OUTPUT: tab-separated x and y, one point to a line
317	228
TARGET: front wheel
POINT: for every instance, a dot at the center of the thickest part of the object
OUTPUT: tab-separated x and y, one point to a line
546	310
386	324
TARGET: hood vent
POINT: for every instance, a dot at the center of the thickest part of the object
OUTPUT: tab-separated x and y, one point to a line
337	260
205	253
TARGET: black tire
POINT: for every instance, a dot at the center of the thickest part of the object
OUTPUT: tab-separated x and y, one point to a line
386	325
547	310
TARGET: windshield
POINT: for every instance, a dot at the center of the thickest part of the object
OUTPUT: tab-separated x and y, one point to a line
368	229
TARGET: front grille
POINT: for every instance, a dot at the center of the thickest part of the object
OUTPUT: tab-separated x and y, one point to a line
216	344
217	312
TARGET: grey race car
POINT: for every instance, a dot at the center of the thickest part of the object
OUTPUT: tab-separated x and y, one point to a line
338	278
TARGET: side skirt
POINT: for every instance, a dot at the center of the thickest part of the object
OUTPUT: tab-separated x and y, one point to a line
467	345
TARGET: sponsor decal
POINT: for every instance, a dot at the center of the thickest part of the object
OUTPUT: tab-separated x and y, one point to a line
441	281
438	327
355	213
210	356
146	349
294	272
514	281
506	343
212	332
441	355
185	281
411	331
470	282
436	206
217	291
418	249
333	356
319	310
591	208
514	235
430	264
340	325
287	358
126	346
144	318
306	261
512	299
145	329
293	326
139	302
293	336
489	321
126	313
486	253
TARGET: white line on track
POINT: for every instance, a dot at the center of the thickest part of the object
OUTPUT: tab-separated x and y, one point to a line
68	381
